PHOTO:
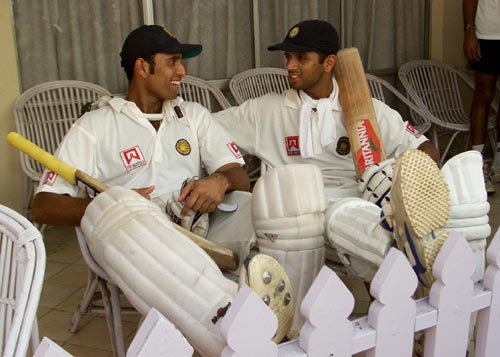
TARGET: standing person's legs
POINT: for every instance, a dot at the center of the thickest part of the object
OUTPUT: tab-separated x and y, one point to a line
486	72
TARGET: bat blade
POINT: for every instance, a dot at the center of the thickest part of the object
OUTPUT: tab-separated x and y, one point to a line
359	115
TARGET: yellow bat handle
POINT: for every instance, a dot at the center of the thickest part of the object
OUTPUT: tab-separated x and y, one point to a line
37	153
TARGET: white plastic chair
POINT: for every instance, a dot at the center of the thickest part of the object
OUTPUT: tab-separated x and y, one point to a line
436	87
256	82
44	114
22	267
194	89
385	92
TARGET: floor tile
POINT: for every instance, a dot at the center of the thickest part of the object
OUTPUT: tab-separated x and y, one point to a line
96	334
74	275
55	325
80	351
41	312
53	294
52	268
64	253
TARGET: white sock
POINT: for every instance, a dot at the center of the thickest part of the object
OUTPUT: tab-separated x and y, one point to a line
479	148
496	160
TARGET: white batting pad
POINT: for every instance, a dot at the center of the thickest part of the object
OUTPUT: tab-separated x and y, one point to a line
157	266
469	206
287	212
352	227
464	175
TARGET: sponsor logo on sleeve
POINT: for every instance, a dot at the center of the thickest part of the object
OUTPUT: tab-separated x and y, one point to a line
132	158
292	146
50	178
234	149
412	130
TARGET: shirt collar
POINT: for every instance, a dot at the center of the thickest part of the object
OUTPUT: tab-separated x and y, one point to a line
292	99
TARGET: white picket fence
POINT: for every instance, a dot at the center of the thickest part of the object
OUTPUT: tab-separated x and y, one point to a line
387	331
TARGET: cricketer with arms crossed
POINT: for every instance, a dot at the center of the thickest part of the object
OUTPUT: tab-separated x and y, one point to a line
306	125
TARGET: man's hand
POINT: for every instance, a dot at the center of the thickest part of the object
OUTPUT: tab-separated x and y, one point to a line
472	50
205	194
145	191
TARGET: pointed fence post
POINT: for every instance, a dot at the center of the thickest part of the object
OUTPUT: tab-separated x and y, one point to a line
488	325
451	295
157	336
392	314
326	307
248	327
48	348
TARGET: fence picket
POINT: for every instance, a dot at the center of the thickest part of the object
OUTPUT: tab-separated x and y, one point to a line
488	325
326	307
249	326
451	295
392	314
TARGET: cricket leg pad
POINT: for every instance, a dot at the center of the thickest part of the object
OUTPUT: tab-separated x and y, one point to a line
288	216
353	228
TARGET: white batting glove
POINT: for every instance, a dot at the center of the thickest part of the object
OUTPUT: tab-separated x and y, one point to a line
196	222
375	183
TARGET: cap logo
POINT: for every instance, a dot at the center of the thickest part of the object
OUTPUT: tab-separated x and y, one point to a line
293	32
168	32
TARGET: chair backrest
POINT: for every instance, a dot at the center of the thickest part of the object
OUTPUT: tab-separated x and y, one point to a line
437	86
22	267
385	92
257	82
198	90
44	114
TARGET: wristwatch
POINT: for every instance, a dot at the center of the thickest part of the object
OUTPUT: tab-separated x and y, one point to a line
469	26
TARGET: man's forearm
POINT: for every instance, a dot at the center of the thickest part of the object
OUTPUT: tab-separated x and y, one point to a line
58	210
469	12
236	177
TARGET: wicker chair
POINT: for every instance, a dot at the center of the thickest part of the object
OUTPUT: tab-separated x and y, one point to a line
256	82
22	267
44	114
198	90
436	87
385	92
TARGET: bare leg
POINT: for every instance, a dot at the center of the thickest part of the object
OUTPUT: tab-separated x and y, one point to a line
483	95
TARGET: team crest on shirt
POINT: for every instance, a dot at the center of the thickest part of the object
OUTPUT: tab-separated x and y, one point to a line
182	146
234	149
412	130
292	146
343	146
132	158
50	178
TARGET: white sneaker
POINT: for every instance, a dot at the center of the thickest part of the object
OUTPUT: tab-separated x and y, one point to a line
490	178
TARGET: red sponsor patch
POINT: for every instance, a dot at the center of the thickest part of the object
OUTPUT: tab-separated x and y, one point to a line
292	145
132	158
412	130
369	151
50	178
234	149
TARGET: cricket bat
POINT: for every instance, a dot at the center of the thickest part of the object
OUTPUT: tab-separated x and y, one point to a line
359	114
224	258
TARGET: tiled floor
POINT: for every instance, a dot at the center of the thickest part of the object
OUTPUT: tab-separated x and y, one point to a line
65	279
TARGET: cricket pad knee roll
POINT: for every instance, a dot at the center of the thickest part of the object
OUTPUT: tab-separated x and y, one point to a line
288	206
353	228
157	266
